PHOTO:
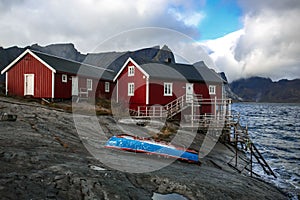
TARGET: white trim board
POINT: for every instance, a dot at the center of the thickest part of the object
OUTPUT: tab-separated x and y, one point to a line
125	64
53	85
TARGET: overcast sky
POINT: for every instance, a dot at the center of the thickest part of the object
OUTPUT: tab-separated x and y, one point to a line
243	38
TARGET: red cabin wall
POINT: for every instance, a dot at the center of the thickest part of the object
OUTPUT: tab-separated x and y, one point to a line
62	90
98	87
100	91
82	83
202	88
139	80
29	65
156	91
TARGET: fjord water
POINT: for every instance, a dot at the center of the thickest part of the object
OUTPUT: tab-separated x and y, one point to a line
275	130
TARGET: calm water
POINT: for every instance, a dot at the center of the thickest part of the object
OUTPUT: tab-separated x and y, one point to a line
275	129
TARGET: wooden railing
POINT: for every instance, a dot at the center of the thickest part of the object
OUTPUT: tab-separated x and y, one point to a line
167	111
220	108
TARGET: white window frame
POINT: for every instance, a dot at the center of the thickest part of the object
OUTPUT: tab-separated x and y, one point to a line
131	70
89	84
212	89
106	86
168	89
64	78
130	89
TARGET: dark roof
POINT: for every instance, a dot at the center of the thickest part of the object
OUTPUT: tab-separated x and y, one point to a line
73	67
198	72
208	74
177	71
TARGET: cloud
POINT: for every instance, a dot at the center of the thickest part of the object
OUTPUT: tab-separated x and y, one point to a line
188	18
88	22
222	51
268	45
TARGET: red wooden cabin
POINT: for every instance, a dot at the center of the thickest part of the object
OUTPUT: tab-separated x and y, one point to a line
151	83
42	75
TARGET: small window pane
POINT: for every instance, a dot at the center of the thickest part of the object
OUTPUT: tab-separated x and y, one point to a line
130	89
212	89
168	89
64	78
106	86
89	84
131	71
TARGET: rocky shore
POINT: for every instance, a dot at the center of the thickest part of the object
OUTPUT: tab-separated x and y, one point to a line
42	157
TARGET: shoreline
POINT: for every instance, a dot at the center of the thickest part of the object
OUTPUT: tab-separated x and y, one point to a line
42	156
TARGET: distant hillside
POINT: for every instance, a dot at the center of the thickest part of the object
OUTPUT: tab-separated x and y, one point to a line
111	60
258	89
229	92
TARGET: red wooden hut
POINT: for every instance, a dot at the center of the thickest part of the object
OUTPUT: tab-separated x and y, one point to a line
142	84
42	75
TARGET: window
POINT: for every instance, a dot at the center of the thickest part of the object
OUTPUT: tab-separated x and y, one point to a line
89	84
64	78
212	89
168	89
106	89
131	71
130	89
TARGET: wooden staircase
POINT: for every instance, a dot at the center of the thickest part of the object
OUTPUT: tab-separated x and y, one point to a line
260	159
167	111
240	135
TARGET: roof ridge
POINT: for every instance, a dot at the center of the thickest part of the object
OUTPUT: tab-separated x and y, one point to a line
168	64
74	61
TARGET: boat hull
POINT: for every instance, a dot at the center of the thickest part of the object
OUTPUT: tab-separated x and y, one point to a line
142	145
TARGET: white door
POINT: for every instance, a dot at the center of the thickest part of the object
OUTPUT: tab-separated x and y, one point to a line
74	86
28	84
189	92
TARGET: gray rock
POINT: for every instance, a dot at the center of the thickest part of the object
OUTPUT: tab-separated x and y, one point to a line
44	158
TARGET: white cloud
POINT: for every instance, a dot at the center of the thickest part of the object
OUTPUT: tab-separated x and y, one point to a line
221	51
268	45
188	18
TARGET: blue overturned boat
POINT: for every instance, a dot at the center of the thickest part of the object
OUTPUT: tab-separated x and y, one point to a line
148	146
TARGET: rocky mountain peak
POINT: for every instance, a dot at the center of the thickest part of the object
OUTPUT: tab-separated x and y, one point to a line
66	50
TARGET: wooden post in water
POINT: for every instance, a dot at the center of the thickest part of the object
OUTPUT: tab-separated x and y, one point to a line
236	148
251	159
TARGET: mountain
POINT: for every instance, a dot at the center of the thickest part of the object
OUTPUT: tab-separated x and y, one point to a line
111	60
259	89
67	50
228	91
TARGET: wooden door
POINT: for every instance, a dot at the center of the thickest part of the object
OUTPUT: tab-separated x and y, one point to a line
189	92
28	84
74	86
